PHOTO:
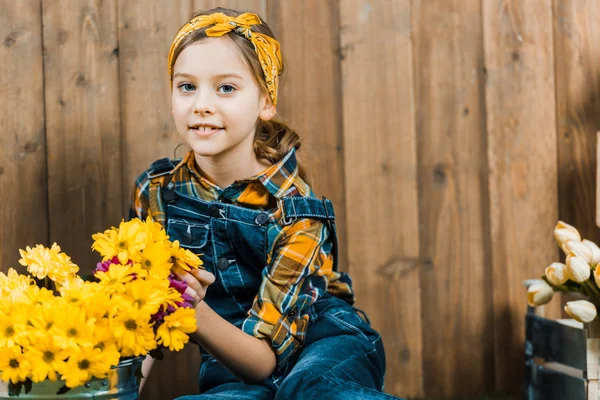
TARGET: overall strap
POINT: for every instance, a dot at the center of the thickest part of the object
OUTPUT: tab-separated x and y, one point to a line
163	167
293	208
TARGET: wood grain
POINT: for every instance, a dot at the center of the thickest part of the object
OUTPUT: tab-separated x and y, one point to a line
455	248
577	46
310	96
83	124
522	152
146	30
23	184
381	180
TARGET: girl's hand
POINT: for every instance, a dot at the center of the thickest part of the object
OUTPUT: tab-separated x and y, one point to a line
198	281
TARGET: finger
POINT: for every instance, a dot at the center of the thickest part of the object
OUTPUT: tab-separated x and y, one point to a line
192	293
205	277
189	279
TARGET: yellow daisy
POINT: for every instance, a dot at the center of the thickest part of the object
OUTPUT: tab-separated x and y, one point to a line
45	358
13	365
133	331
184	258
117	275
146	295
155	261
173	332
84	363
73	328
42	261
126	242
155	231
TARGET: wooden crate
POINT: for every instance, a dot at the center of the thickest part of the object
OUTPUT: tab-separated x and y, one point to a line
562	359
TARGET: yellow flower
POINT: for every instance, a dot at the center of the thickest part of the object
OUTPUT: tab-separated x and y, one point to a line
13	365
42	261
173	332
155	261
117	275
146	295
13	281
43	318
13	330
184	258
133	331
155	231
78	291
126	242
45	358
74	329
83	364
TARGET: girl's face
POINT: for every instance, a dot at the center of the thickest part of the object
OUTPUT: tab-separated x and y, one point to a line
216	102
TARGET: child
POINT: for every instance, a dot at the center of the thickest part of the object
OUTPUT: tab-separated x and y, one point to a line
275	318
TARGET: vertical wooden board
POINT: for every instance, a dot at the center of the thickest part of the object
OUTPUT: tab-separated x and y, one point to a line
146	30
381	179
455	249
522	152
24	210
256	6
309	96
83	123
577	47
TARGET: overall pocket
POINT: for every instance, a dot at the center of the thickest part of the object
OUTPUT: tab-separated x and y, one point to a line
192	235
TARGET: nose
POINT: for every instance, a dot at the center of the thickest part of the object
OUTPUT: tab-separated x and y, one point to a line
204	103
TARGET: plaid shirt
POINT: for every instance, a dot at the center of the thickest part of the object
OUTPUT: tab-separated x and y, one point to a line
299	264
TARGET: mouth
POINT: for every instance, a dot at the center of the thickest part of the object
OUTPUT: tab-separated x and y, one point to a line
205	129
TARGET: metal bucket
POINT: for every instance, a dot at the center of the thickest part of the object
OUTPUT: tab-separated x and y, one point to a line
122	383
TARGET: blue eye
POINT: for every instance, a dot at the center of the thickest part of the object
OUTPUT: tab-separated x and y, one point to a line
186	87
226	89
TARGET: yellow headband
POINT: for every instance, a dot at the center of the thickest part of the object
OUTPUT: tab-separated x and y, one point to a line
265	46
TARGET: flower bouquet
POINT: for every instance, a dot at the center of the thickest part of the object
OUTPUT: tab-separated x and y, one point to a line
54	325
579	273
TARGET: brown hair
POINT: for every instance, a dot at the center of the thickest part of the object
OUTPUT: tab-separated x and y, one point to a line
274	138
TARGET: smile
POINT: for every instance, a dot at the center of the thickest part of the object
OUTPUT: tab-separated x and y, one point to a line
204	131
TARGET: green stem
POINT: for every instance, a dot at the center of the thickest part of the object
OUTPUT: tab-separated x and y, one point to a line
593	288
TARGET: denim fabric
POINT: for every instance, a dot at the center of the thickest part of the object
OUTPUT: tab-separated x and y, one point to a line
342	357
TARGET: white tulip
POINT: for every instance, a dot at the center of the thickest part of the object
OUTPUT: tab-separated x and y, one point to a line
539	293
581	310
595	251
578	269
556	273
579	248
564	232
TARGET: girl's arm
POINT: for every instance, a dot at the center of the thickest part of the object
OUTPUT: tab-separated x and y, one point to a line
250	359
146	366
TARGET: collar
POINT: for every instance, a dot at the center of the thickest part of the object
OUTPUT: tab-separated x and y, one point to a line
278	179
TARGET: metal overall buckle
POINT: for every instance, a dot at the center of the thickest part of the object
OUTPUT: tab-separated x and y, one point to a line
284	219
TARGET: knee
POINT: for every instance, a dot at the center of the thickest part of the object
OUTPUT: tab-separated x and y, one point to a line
300	386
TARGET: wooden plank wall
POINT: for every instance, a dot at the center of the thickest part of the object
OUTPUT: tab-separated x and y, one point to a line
450	134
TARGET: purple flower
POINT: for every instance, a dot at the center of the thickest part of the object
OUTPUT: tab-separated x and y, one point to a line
180	286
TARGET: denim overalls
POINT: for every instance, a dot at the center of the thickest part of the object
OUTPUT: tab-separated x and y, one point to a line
342	357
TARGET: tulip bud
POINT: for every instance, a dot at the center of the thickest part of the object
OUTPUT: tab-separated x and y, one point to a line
581	310
578	269
564	232
595	251
556	273
539	293
579	248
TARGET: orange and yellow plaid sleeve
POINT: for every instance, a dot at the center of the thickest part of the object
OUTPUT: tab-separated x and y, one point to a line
140	200
297	275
